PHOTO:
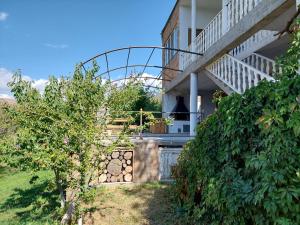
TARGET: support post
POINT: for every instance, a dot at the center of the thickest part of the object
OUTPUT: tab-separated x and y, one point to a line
141	121
193	103
193	27
193	76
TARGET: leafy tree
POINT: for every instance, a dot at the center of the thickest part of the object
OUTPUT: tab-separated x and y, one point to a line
147	100
7	129
64	130
244	165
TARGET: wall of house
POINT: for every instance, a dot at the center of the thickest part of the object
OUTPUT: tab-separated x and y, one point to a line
169	101
203	19
207	105
169	28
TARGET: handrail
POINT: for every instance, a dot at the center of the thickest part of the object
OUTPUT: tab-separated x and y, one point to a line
262	63
254	43
232	13
237	74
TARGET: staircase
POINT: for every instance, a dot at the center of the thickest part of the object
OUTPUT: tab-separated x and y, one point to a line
241	68
254	43
238	75
263	64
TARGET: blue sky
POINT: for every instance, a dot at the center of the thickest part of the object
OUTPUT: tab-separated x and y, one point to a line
48	37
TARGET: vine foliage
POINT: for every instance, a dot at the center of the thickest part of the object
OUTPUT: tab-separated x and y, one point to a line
243	167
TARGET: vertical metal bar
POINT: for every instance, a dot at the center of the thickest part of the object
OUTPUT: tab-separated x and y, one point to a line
127	62
107	66
148	60
141	122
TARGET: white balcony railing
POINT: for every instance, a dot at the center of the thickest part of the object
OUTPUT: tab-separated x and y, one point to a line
237	9
236	74
227	18
254	43
263	64
185	59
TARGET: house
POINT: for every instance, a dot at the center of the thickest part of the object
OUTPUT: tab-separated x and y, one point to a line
236	43
210	45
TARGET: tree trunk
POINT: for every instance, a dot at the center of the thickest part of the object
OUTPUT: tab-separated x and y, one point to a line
59	187
80	221
67	218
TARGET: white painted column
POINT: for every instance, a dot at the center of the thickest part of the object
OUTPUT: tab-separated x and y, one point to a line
193	103
193	76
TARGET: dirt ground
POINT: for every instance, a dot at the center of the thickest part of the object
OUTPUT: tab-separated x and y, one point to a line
147	204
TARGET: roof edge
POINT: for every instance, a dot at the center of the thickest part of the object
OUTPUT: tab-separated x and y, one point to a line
170	16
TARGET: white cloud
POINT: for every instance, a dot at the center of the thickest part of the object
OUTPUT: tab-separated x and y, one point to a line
6	76
150	80
6	96
3	16
40	84
59	46
146	78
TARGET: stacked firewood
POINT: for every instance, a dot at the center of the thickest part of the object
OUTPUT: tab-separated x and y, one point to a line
118	167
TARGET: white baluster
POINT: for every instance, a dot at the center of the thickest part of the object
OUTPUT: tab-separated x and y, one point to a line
212	27
268	68
233	74
262	65
226	69
242	8
239	77
203	41
244	79
237	11
255	78
273	69
246	7
255	61
250	5
229	15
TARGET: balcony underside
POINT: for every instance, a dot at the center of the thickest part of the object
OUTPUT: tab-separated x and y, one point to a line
205	83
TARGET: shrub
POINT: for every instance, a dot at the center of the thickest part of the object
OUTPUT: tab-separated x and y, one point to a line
243	167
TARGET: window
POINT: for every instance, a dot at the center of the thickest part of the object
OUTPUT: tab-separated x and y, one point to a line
172	42
198	31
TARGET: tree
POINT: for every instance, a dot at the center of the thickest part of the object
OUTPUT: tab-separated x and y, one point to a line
63	130
147	100
7	129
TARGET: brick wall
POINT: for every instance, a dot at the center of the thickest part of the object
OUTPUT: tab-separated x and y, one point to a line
172	23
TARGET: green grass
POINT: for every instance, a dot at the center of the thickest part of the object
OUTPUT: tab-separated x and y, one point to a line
131	204
25	203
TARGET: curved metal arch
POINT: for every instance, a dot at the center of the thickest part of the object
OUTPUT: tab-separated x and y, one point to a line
138	65
140	47
146	65
141	78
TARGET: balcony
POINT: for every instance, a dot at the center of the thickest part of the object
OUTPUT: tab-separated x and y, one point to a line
221	24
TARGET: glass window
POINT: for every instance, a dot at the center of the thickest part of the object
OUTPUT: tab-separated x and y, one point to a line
172	42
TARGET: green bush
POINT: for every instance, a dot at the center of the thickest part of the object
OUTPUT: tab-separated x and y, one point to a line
244	165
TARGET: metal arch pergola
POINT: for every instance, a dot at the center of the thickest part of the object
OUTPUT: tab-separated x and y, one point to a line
144	66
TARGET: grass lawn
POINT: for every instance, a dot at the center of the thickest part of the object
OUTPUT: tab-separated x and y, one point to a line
17	196
143	204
